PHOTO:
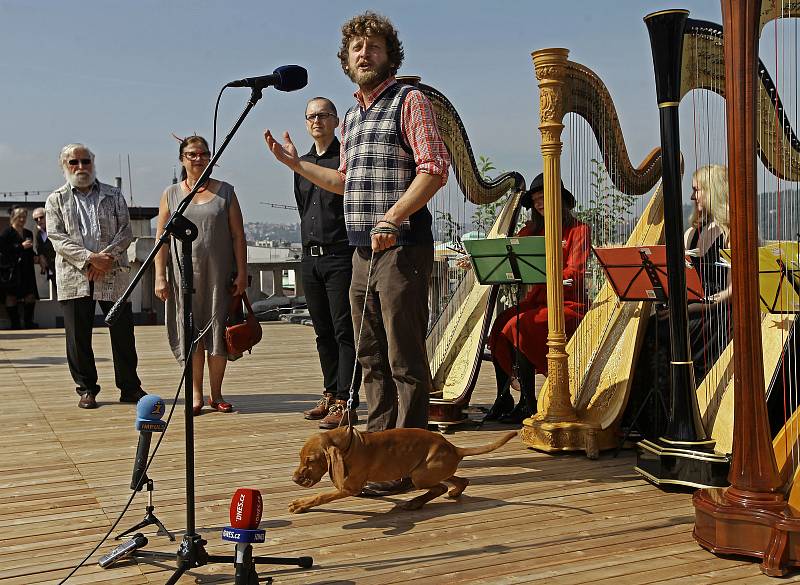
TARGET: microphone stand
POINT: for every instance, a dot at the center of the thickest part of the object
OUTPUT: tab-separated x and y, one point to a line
191	552
149	515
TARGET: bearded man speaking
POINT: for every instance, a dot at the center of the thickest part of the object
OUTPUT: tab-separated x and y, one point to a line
392	162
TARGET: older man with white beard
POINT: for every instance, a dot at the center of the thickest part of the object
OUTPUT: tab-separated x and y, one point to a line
89	226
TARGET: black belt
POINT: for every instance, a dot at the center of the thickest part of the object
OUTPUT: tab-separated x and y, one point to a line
327	250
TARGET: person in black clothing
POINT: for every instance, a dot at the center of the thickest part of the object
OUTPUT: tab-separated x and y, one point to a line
44	246
709	322
18	279
327	270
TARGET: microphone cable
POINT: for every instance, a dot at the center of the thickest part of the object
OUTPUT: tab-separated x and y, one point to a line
187	364
216	111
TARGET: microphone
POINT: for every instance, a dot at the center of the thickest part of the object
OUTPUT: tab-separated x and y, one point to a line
124	550
149	411
284	78
246	509
245	516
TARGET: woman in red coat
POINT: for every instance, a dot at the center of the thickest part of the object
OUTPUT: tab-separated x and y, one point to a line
530	333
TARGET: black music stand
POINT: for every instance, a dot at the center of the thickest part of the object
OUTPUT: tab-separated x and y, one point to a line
640	274
778	276
515	261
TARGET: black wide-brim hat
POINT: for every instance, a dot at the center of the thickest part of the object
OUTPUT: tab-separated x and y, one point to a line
567	198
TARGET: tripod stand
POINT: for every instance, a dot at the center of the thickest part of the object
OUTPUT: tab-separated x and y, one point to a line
191	552
149	517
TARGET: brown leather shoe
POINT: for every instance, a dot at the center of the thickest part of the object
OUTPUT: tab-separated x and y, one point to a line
320	411
338	415
87	401
376	489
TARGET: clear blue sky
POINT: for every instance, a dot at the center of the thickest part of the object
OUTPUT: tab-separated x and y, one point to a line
121	76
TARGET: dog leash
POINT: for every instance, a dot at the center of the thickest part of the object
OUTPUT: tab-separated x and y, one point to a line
388	229
358	345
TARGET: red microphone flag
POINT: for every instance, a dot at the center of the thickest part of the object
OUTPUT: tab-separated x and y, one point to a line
246	508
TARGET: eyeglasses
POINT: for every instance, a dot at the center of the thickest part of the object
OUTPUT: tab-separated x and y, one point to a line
321	116
195	155
75	161
38	218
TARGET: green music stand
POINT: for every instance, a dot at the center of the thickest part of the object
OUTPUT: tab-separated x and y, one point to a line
508	260
515	261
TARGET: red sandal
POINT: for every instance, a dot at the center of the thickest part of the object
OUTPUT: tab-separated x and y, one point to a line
220	406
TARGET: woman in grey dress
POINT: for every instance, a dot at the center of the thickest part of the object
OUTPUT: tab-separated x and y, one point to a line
219	258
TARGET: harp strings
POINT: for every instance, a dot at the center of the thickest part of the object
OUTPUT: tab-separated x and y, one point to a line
708	147
449	285
602	202
778	219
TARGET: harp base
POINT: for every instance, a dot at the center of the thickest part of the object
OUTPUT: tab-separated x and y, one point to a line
666	464
446	414
765	528
552	437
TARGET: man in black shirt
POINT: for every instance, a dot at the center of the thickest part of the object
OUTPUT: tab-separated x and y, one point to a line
327	270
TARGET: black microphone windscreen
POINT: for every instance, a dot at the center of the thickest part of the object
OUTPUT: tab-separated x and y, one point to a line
292	77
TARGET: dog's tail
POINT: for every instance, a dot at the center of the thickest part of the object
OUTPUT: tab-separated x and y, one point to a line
465	451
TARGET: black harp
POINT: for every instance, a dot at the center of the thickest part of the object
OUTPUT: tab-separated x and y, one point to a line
675	458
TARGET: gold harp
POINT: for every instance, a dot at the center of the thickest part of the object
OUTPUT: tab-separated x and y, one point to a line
586	391
462	308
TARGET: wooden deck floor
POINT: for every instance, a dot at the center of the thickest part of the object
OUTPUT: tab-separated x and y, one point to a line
525	518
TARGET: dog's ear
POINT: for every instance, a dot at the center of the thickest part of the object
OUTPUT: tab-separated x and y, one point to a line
336	466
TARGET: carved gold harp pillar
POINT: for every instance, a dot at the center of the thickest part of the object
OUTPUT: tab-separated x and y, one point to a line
557	418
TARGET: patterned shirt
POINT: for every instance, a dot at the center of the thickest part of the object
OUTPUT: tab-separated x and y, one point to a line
86	206
380	167
66	234
418	125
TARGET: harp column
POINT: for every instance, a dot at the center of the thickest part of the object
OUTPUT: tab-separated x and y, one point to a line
556	424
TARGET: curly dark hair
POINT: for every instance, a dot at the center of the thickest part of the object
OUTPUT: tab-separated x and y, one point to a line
371	24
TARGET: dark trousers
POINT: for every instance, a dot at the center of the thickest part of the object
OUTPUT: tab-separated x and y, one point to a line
397	377
326	281
78	321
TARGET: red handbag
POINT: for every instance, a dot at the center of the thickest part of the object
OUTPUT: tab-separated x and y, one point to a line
242	330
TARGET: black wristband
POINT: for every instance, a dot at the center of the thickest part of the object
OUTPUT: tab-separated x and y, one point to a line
391	223
384	230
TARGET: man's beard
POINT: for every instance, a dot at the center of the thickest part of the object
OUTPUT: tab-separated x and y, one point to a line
80	179
369	79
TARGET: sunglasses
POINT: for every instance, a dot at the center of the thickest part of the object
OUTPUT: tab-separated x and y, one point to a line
75	161
38	218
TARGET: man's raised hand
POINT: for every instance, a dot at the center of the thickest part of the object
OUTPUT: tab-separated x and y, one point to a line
286	152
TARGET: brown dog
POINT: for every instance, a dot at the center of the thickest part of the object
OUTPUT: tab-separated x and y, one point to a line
352	458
